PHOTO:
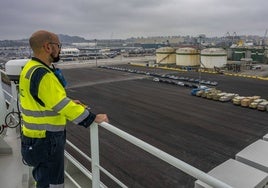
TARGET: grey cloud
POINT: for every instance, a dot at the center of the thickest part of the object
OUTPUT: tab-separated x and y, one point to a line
121	18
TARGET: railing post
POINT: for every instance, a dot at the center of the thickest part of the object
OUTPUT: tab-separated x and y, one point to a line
3	107
94	141
13	101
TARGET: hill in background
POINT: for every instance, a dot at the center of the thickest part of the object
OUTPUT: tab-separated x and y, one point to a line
71	39
66	39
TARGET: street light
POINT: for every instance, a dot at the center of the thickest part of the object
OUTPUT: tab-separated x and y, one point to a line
96	53
199	46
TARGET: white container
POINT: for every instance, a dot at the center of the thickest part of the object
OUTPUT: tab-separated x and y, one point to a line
187	57
211	57
14	67
166	55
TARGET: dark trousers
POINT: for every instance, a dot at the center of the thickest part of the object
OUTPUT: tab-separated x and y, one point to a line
46	155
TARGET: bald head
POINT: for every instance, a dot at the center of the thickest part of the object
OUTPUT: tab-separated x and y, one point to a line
39	38
46	46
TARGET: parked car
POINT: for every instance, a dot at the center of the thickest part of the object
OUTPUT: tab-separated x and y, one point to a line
246	101
227	97
262	106
255	103
156	79
219	95
195	90
237	100
213	93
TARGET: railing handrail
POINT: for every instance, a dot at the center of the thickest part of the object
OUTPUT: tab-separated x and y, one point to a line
210	180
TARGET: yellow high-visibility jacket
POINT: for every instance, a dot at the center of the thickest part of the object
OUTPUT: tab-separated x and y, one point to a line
44	103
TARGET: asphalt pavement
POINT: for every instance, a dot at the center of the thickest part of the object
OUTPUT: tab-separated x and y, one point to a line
203	133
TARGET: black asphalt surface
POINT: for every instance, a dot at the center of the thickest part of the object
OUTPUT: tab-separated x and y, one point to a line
203	133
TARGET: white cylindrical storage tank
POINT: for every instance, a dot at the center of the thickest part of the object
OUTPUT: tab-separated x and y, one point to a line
166	55
187	57
229	53
211	57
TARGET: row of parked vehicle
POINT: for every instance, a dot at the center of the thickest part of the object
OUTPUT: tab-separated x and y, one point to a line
204	91
166	78
186	79
254	102
213	93
175	82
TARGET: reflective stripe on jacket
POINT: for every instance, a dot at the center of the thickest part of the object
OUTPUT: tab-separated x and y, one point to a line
44	104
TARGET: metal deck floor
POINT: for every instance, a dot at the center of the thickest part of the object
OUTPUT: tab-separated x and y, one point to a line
13	173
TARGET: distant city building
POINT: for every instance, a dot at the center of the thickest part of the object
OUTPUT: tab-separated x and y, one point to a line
237	47
160	40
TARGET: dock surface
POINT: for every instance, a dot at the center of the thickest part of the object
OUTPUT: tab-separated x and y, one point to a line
201	132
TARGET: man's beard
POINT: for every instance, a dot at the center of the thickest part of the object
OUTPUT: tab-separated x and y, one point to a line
55	59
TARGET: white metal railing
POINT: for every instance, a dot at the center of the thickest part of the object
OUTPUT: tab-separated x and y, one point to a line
198	174
96	168
12	103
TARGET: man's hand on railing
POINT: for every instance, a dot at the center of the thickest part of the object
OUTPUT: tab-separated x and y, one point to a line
101	118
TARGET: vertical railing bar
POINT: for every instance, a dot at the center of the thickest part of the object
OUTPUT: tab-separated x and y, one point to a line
101	168
83	169
94	140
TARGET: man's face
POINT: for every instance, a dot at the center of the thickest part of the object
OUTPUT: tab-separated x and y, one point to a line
55	57
56	47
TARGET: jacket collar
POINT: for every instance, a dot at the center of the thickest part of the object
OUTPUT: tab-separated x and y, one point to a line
40	61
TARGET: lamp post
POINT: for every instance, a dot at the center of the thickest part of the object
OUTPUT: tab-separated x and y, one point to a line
199	47
96	53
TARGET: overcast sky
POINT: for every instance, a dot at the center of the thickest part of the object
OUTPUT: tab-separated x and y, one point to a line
114	19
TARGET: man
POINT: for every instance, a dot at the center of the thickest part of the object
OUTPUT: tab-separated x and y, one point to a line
45	110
